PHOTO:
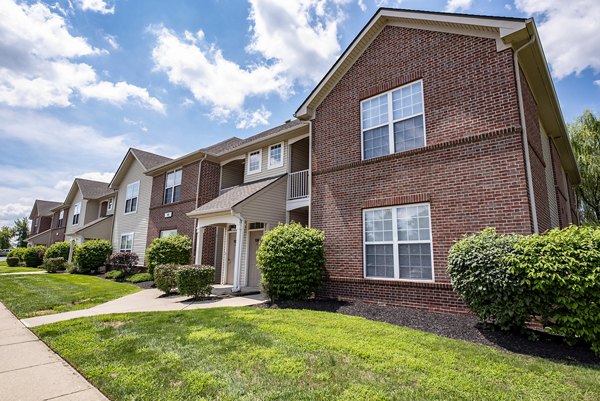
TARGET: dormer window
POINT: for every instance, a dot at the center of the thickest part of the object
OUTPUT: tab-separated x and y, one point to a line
276	155
254	161
393	122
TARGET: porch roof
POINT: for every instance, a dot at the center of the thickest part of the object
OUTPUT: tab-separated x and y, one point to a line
233	197
102	224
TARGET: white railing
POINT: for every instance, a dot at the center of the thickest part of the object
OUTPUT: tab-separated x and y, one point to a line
298	184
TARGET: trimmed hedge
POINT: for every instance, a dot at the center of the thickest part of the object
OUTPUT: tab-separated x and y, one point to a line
195	281
34	256
52	265
291	259
12	261
17	253
92	255
58	250
174	249
553	277
165	277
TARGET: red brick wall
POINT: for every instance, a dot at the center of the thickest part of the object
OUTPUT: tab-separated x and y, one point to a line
58	233
209	187
536	157
472	171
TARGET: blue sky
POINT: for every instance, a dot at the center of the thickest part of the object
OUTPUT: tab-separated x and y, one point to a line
83	80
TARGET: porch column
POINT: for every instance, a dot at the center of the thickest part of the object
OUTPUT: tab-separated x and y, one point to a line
199	242
70	259
238	254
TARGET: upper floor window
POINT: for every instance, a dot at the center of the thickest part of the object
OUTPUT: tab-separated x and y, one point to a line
109	207
131	198
276	155
393	122
397	242
173	186
254	161
76	212
61	216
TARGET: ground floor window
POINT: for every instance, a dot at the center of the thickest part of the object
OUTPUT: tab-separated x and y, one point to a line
167	233
397	242
126	242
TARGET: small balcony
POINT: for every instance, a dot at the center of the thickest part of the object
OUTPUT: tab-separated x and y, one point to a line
298	184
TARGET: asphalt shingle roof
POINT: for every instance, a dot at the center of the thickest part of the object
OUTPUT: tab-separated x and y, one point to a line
149	160
93	189
264	134
44	207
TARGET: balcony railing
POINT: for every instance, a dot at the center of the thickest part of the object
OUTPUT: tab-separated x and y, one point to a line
298	184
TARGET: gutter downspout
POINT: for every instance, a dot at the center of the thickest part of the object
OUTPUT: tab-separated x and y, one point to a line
196	207
524	134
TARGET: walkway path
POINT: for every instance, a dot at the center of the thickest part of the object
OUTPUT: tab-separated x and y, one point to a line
151	300
30	371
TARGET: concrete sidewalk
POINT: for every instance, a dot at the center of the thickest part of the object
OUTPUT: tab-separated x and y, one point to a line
30	371
151	300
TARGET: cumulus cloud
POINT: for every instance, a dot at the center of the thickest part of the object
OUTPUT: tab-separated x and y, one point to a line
458	5
99	6
573	52
112	41
121	93
283	38
39	66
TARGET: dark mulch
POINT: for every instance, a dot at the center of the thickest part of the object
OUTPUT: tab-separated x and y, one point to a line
454	326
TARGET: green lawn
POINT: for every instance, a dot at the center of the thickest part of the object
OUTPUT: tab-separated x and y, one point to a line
265	354
5	269
32	295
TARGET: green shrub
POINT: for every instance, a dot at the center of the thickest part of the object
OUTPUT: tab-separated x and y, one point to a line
165	277
124	261
115	274
17	253
58	250
195	281
52	265
34	256
92	255
561	271
480	274
140	277
291	259
71	268
174	249
12	261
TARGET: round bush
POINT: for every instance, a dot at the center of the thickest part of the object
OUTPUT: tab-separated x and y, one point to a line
58	250
124	261
92	255
165	277
17	253
174	249
12	261
195	281
52	265
34	256
480	274
291	259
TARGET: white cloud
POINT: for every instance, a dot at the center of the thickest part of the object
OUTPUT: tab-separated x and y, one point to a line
140	124
253	119
13	211
283	36
388	3
569	31
362	6
99	6
597	82
121	93
39	66
112	41
458	5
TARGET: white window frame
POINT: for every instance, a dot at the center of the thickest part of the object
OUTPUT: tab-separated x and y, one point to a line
109	206
61	218
76	208
390	123
121	242
258	170
395	242
173	187
280	164
171	232
137	203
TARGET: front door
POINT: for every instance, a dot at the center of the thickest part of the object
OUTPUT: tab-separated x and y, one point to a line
253	272
230	257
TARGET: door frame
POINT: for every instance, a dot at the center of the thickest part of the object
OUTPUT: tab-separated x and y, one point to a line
225	256
248	252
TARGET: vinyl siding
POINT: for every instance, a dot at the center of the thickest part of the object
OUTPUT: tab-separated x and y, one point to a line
300	155
136	223
265	172
78	198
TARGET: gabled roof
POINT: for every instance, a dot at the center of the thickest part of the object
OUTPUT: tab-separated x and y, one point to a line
232	197
89	190
147	160
42	208
223	146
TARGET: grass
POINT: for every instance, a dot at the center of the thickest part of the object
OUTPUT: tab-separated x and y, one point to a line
44	294
139	278
265	354
4	268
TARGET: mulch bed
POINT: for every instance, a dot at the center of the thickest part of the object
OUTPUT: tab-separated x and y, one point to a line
454	326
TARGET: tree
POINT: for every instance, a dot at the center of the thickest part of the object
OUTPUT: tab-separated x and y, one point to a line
21	231
6	234
585	138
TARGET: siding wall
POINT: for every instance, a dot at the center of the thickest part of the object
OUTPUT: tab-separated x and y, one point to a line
300	155
134	222
77	198
265	172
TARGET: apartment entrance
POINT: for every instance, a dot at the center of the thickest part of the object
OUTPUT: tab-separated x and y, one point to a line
254	237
